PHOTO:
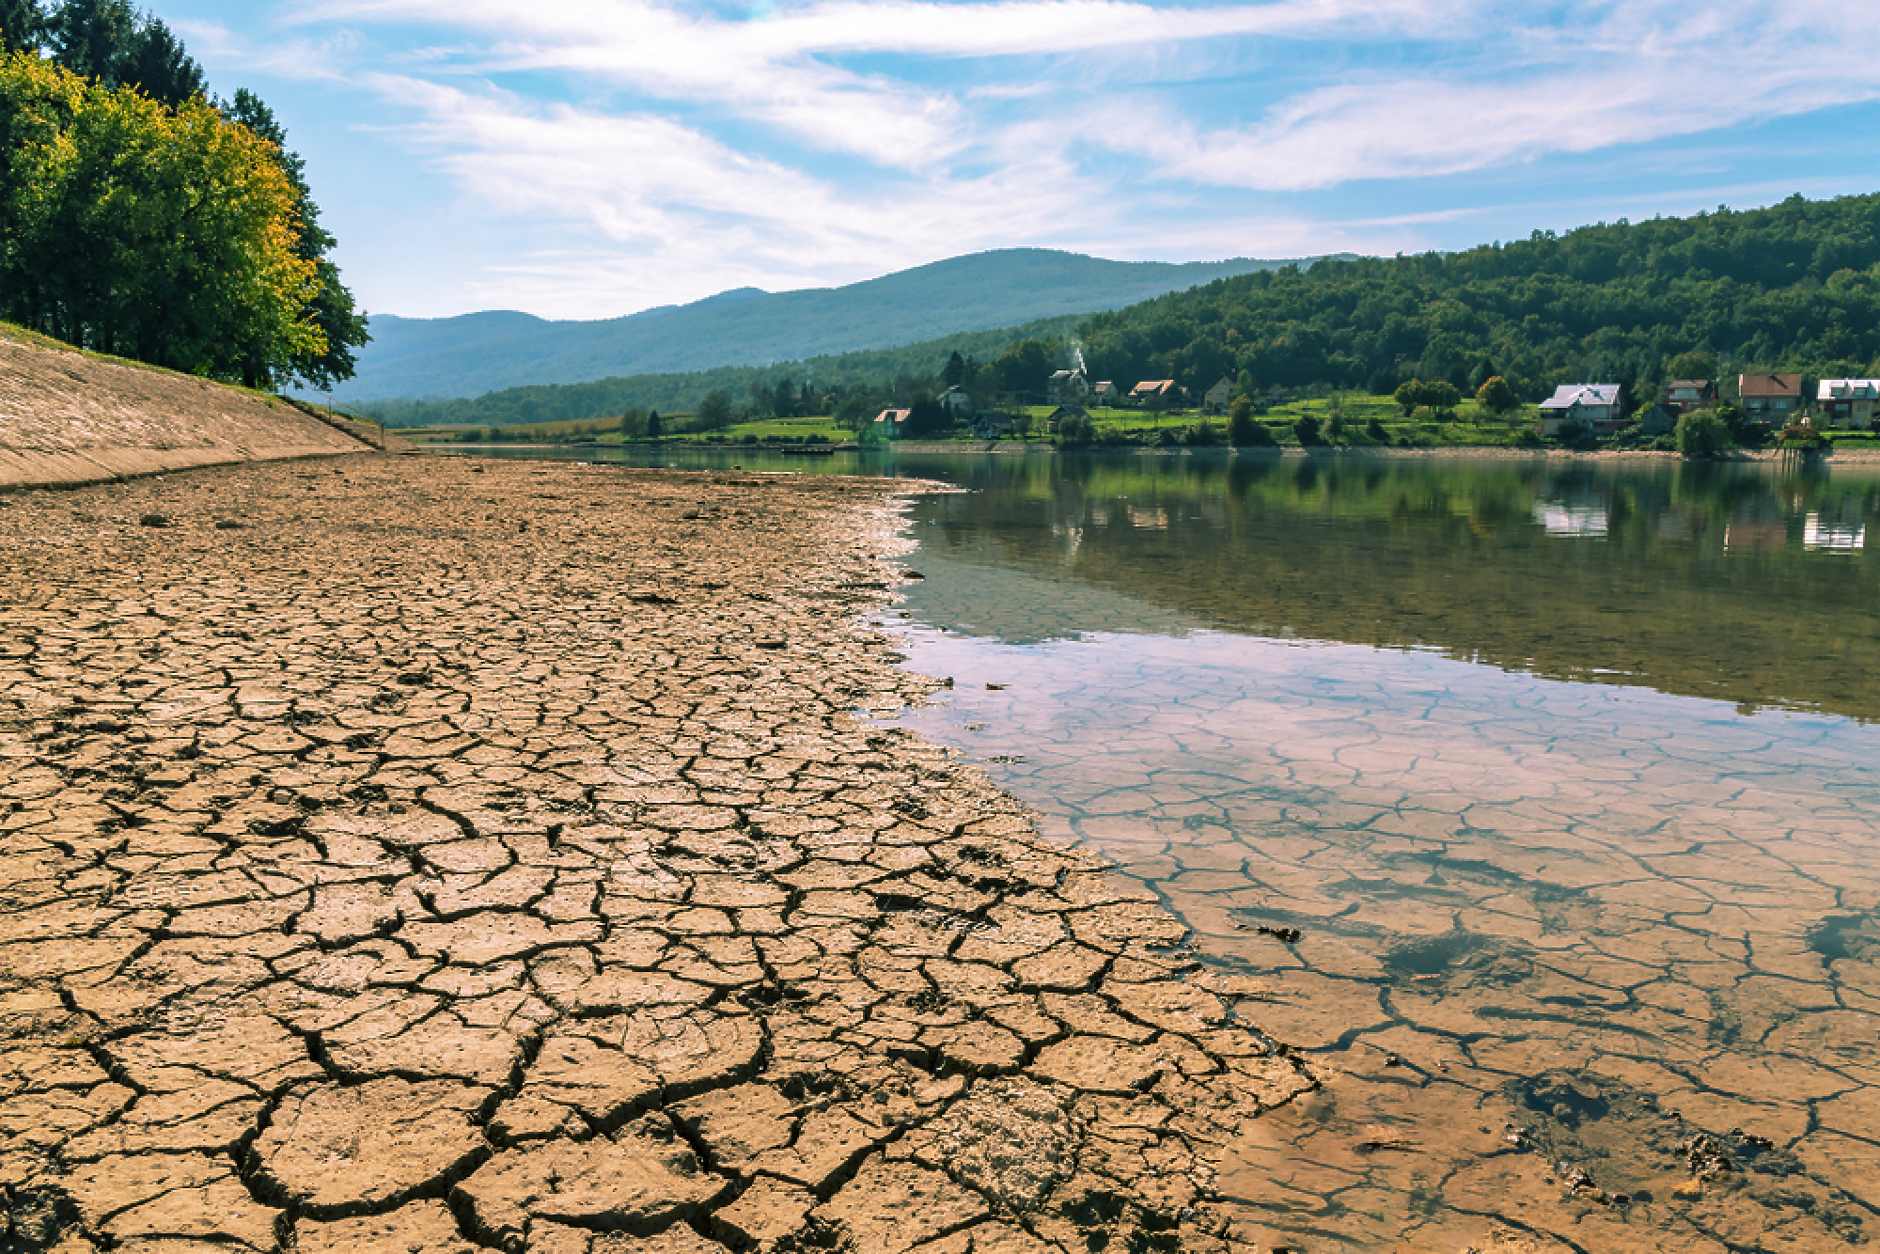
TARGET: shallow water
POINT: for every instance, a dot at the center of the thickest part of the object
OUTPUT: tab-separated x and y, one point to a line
1564	777
1564	774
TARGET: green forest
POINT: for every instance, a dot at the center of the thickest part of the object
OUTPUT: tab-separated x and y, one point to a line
1794	287
141	217
868	380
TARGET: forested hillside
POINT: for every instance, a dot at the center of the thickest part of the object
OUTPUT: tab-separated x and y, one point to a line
484	352
1793	287
884	374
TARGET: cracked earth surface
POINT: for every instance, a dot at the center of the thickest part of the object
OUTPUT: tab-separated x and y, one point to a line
402	854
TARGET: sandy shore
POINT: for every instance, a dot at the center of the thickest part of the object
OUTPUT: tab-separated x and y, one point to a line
428	855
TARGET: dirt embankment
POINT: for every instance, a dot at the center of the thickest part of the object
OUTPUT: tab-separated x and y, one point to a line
422	856
68	419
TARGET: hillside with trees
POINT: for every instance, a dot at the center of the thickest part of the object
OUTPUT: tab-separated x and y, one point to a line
1795	286
846	383
140	217
484	352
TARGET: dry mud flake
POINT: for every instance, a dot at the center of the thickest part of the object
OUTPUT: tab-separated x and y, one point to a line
378	878
641	1181
419	1228
335	1151
175	1197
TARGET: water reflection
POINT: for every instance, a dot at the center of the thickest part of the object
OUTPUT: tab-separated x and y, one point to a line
1587	966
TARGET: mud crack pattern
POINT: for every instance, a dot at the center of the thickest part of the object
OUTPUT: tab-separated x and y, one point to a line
402	854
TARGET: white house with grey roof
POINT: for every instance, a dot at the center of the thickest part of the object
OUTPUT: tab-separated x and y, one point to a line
1849	404
1599	406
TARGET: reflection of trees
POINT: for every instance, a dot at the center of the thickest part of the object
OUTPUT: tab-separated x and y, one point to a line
1453	556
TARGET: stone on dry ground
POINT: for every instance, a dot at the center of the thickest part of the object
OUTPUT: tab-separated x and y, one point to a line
462	856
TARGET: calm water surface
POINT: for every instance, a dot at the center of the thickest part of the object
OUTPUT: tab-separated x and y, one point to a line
1565	775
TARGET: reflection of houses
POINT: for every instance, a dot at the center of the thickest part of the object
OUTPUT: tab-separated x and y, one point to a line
1849	403
1154	392
889	422
1774	399
1759	525
1681	396
1066	387
1836	528
990	425
1106	393
956	402
1562	518
1597	406
1219	392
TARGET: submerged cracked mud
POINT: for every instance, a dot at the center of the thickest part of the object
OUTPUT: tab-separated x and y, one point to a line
419	856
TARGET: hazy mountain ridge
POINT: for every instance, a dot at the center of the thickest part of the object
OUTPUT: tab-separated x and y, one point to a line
484	352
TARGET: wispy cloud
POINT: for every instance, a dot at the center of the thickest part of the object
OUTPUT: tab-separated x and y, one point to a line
820	142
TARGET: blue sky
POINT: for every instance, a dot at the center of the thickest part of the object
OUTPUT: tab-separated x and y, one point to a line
590	158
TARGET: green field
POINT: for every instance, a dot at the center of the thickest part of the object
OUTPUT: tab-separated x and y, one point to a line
1469	426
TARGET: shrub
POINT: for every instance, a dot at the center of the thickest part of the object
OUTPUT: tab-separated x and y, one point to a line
1701	433
1075	432
1246	431
1375	430
1307	429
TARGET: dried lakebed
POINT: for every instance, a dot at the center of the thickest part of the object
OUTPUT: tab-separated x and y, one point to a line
407	855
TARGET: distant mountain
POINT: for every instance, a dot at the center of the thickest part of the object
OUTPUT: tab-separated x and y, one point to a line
484	352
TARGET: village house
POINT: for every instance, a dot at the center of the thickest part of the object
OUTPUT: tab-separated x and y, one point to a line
888	423
1106	393
1597	406
1657	420
956	402
1774	399
1849	404
1066	387
1155	392
990	425
1219	392
1681	396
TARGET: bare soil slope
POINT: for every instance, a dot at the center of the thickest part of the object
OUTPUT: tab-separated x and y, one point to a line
68	419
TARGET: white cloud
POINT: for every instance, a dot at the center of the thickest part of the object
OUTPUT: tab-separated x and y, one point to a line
666	150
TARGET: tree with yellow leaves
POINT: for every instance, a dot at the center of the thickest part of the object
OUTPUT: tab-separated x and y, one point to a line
165	234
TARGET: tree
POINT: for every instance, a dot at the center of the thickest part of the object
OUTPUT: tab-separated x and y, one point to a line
92	38
714	412
655	426
926	416
1025	367
1409	395
163	234
1496	396
156	64
954	374
341	326
1692	365
22	25
1701	433
1307	429
1243	429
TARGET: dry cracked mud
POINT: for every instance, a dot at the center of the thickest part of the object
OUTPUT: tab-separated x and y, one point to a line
413	855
